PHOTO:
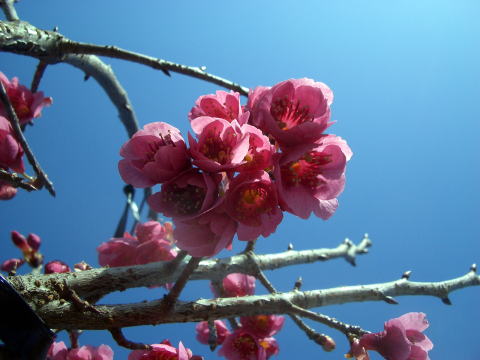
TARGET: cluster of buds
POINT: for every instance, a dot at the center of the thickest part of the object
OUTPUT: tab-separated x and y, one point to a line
253	339
29	247
245	165
27	106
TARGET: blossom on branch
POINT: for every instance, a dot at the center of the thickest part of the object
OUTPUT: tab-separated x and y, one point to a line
11	151
153	155
164	351
27	105
402	339
59	351
222	104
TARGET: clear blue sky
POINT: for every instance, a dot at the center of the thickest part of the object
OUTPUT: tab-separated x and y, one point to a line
406	80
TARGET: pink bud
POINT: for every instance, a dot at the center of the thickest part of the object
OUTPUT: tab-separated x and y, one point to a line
34	241
56	266
329	344
11	264
20	241
82	266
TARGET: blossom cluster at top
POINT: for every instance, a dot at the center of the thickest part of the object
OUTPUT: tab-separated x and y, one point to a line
253	339
27	106
245	165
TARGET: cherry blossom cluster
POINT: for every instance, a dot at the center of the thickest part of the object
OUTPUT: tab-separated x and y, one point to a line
29	246
27	106
59	351
253	339
153	242
245	165
402	339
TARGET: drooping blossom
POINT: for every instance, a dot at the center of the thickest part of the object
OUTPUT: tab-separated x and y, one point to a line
56	266
203	332
237	284
59	351
262	326
148	246
206	235
293	112
163	351
402	338
7	191
187	196
27	105
222	104
10	265
310	177
221	145
153	155
11	151
242	345
252	201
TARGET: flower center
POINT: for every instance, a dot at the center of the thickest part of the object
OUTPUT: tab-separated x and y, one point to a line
253	200
288	113
305	171
183	200
245	345
215	149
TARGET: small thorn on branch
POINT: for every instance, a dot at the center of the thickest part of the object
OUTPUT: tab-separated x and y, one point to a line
290	246
212	335
406	274
298	284
70	294
473	268
446	301
388	299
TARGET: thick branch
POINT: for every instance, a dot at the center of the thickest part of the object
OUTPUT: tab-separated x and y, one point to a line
65	316
97	283
49	46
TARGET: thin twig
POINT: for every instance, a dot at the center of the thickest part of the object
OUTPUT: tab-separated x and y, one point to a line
16	181
120	339
37	77
218	287
170	299
15	123
9	10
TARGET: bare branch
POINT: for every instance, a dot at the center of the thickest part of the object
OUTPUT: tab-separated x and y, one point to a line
25	39
9	10
16	181
65	316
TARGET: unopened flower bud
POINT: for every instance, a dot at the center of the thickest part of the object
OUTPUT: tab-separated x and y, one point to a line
328	344
34	241
20	241
11	265
81	266
56	266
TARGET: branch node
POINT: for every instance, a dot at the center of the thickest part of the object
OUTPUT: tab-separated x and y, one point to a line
473	268
406	274
446	301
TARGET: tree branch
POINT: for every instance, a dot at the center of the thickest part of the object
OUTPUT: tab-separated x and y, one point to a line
9	10
62	315
97	283
24	39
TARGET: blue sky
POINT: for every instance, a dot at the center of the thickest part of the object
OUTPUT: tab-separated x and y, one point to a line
406	81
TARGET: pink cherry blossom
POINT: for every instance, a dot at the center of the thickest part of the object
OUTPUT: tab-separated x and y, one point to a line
237	284
242	345
203	333
187	196
56	266
163	351
27	105
11	151
252	200
57	351
402	339
310	177
260	151
206	235
295	111
148	246
87	352
7	191
153	155
222	104
221	145
262	326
